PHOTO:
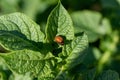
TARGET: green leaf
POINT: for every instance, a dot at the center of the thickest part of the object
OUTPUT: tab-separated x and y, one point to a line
74	51
25	76
23	61
92	54
90	74
109	75
21	23
92	23
85	75
59	23
62	75
13	40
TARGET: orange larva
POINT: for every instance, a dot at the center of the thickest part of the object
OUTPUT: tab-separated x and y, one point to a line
59	40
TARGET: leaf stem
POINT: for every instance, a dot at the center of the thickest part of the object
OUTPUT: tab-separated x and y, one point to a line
61	75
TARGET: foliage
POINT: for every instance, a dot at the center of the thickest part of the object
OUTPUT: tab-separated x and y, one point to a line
28	51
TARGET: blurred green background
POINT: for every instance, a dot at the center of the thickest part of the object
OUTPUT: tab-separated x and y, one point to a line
100	19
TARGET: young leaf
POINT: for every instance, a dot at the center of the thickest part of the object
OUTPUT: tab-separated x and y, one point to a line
59	23
74	51
109	75
21	23
23	61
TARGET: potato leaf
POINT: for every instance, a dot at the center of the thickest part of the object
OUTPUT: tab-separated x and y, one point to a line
13	40
23	61
92	23
59	23
109	75
21	23
74	51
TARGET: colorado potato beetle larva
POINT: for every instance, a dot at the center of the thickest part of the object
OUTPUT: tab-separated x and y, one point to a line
59	40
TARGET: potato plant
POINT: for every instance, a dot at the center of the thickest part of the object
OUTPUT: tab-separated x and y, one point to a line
60	52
